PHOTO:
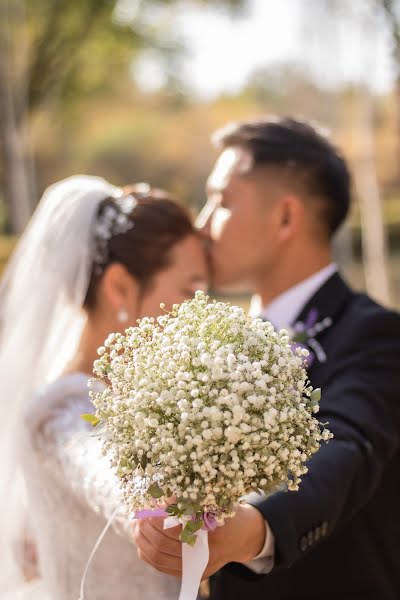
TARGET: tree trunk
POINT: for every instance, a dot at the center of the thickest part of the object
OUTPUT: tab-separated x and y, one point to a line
374	243
17	190
15	173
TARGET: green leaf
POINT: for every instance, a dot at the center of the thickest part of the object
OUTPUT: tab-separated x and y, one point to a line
189	509
187	537
92	419
315	395
193	526
174	510
300	337
124	463
155	491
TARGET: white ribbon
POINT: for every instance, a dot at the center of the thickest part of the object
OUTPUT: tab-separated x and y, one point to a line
97	544
194	561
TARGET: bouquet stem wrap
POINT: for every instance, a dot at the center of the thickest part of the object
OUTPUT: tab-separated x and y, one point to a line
194	561
194	558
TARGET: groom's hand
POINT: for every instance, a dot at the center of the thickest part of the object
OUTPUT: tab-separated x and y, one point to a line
240	539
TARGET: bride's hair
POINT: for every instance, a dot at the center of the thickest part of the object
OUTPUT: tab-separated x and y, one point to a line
155	224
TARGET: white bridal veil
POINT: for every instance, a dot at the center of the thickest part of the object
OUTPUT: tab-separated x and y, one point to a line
41	295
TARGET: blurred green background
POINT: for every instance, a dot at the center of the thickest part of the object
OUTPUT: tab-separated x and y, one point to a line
132	90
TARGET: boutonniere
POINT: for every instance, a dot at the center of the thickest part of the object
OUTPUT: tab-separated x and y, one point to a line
303	335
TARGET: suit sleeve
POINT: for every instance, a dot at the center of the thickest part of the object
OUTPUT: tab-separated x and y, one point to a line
362	405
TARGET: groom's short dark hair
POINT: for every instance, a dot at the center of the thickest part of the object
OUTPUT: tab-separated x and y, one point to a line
305	153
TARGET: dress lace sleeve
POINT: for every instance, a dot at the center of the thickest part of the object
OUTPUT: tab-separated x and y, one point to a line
74	454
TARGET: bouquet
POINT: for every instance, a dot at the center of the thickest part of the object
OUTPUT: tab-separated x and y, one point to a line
205	405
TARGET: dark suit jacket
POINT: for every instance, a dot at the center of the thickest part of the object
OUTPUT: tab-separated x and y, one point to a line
338	537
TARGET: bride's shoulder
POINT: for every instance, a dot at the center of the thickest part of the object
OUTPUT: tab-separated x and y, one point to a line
68	381
75	384
61	400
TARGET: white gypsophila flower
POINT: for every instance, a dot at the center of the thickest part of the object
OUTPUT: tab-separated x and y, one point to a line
207	405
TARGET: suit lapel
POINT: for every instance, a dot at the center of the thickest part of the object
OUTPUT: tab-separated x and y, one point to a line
328	301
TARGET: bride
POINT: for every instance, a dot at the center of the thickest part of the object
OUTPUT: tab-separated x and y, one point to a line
93	260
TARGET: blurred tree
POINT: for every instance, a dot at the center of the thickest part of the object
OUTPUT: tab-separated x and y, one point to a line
54	51
391	12
363	17
374	238
41	63
290	88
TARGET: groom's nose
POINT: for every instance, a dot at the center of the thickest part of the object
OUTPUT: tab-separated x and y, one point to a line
203	226
205	230
203	221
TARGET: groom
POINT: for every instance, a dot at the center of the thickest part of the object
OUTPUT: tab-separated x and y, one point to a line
276	196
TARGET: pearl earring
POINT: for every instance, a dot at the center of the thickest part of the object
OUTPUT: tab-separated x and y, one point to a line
122	315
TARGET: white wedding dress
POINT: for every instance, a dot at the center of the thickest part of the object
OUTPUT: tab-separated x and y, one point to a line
72	492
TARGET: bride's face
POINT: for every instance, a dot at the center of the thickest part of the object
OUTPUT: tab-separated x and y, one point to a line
187	272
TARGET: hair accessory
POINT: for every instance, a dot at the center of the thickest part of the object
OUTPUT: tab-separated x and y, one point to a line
113	220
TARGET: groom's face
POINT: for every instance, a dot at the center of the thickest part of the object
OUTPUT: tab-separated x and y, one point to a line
239	222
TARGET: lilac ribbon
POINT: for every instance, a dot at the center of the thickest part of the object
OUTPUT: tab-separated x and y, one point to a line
209	518
155	512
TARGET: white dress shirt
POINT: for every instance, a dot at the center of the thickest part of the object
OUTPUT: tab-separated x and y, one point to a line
282	312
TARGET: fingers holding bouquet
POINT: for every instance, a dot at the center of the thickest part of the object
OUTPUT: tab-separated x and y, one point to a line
239	540
160	548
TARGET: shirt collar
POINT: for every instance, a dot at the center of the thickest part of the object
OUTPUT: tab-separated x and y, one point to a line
283	310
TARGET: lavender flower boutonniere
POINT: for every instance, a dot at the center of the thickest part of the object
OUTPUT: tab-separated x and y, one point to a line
304	334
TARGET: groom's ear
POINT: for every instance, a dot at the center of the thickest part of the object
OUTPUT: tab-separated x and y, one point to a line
290	215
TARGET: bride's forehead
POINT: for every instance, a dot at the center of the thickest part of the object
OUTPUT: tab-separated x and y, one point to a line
189	257
190	248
